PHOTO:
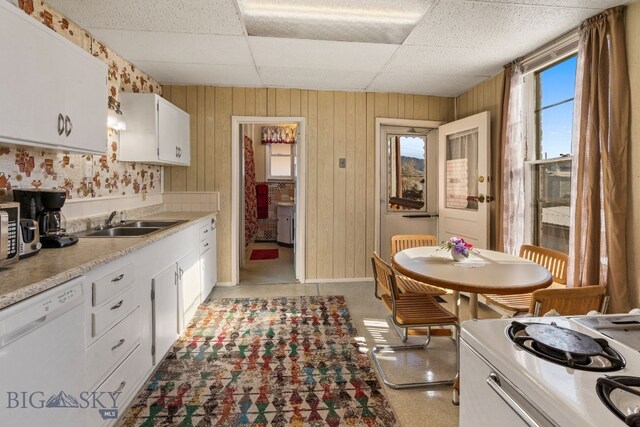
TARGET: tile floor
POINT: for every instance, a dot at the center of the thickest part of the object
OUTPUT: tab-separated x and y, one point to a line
280	270
418	407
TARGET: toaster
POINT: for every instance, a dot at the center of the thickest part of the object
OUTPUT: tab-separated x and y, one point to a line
29	238
9	239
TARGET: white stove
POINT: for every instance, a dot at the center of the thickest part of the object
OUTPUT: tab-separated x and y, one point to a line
505	383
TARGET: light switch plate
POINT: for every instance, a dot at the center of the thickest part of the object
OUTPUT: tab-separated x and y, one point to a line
342	163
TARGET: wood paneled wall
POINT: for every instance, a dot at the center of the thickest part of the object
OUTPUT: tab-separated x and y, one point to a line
486	96
340	202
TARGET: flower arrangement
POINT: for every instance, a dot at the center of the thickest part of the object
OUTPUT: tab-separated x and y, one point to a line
458	247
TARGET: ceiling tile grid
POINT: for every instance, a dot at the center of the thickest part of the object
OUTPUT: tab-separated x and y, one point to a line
432	47
177	47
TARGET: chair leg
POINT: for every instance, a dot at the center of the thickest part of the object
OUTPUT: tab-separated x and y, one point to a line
404	332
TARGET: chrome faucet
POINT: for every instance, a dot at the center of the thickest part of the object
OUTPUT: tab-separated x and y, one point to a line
111	216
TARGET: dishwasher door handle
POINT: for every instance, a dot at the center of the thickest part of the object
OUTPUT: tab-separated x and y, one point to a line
23	330
494	382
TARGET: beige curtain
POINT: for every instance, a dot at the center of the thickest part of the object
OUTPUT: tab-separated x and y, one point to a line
511	205
498	159
597	249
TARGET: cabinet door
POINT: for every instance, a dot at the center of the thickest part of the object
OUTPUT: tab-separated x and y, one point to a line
189	283
173	134
31	94
207	272
164	311
85	102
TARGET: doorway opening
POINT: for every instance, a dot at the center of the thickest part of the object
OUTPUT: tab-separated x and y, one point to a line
407	184
268	200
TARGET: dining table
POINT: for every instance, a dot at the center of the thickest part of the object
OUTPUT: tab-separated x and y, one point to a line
484	271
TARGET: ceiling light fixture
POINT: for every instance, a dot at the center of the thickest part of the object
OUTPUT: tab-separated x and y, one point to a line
317	13
365	21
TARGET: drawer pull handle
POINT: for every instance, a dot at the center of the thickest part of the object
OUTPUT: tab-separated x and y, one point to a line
122	384
118	305
117	279
118	345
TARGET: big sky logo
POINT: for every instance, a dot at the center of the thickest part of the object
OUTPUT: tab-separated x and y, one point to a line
104	402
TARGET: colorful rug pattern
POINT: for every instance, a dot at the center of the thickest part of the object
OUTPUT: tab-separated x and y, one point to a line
262	254
288	361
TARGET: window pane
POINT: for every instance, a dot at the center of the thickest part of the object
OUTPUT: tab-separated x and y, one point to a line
461	171
558	82
281	167
282	149
552	192
407	172
556	125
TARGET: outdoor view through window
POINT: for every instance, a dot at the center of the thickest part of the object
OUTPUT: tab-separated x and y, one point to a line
406	179
551	172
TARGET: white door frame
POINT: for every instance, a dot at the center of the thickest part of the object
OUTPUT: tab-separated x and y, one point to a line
236	192
380	121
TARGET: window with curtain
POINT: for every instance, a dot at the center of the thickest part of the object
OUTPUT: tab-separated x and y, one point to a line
280	162
550	157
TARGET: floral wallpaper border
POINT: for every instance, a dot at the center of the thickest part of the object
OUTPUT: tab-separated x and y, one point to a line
83	176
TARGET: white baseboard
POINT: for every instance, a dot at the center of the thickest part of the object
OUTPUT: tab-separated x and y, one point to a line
341	280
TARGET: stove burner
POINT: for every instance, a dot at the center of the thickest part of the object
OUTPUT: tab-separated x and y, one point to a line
566	347
621	394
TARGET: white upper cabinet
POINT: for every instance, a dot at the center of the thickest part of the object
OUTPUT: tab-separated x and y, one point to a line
53	94
157	131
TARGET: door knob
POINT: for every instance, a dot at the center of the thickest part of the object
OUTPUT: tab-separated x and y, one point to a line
481	198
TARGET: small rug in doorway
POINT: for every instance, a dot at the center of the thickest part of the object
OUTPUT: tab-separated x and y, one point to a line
261	254
284	361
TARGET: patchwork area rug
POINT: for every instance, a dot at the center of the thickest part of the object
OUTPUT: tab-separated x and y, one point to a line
288	361
260	254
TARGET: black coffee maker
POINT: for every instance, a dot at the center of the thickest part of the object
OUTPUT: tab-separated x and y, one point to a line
44	206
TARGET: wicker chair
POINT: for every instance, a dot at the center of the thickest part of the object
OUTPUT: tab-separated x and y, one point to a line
569	301
554	261
406	284
408	310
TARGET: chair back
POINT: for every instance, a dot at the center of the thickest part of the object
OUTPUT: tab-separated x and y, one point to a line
401	242
554	261
569	301
385	279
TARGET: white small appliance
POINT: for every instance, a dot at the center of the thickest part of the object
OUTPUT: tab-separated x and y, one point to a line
551	371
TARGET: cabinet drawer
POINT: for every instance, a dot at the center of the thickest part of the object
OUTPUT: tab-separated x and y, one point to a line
112	284
113	312
106	352
125	379
205	245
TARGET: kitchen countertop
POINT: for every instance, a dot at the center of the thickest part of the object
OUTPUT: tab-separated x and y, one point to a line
51	267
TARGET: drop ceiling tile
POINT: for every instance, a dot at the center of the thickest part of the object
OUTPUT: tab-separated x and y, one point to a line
494	25
177	47
201	74
178	16
449	60
423	84
320	79
318	54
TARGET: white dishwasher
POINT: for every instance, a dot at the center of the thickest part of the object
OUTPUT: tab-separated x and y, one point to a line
42	359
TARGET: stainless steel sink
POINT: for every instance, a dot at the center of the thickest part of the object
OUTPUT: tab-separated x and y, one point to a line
122	232
158	224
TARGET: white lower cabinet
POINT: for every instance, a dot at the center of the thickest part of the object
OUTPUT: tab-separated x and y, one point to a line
189	285
164	301
125	317
208	255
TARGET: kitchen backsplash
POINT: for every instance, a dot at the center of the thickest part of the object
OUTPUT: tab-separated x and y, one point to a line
83	176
